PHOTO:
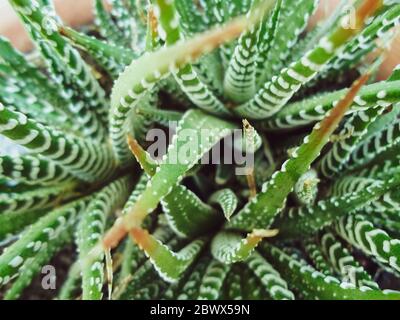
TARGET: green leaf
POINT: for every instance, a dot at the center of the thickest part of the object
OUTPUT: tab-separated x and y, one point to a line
365	42
262	209
71	284
191	288
229	247
33	170
315	285
374	146
39	85
361	233
107	28
42	20
253	289
240	76
204	132
191	21
289	20
233	285
12	223
169	265
344	263
18	94
213	280
268	32
141	272
317	257
227	200
84	158
185	76
143	73
35	266
276	93
308	111
269	277
301	221
306	189
91	229
162	117
111	57
187	214
125	23
353	133
37	239
36	199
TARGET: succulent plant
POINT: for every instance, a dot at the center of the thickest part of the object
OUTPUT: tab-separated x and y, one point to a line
314	215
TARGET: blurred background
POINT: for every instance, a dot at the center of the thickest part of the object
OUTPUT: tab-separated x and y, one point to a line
73	12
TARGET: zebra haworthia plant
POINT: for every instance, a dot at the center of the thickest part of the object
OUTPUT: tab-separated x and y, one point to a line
319	187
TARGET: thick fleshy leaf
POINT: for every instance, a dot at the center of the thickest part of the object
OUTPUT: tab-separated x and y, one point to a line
276	93
373	241
314	109
213	280
228	247
317	257
42	21
303	221
29	270
240	76
186	213
37	238
313	284
262	209
169	265
204	132
90	230
227	200
344	263
112	58
138	78
269	277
